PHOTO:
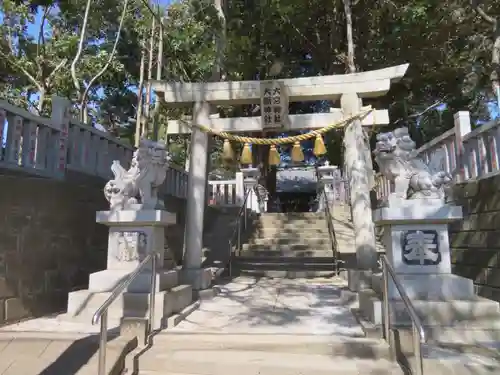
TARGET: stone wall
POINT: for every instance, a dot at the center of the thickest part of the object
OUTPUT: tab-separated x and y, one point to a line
49	243
475	241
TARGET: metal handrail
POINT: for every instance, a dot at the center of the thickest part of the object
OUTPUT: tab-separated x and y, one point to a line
102	312
329	219
237	231
331	229
418	332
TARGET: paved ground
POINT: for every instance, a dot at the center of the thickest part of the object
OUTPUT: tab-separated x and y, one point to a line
277	306
269	327
46	356
58	325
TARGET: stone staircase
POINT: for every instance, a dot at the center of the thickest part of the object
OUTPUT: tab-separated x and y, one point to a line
264	354
216	340
268	326
287	245
456	321
250	354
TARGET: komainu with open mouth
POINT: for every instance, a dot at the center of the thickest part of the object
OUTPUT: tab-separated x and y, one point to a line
413	179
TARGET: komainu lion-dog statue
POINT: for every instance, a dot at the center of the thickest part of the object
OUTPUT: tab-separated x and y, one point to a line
395	154
140	183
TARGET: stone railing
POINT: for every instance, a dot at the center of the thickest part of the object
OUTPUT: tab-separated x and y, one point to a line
338	191
50	146
464	153
176	181
223	193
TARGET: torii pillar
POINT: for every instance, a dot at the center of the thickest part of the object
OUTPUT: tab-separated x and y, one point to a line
359	173
350	89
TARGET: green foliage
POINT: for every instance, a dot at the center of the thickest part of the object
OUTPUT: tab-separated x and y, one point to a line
447	44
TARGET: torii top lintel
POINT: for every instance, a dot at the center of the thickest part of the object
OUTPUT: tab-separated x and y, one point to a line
369	84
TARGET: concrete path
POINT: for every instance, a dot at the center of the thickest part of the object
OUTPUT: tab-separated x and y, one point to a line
275	306
30	356
269	327
300	318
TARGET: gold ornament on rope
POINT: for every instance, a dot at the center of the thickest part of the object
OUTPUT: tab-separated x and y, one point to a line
274	156
297	154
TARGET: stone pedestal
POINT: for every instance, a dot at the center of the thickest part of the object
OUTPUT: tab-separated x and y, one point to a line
417	245
132	235
416	240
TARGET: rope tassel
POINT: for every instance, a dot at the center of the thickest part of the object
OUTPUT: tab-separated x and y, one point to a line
297	154
274	156
246	155
319	146
227	152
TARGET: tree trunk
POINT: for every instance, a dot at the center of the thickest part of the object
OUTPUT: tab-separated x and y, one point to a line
495	51
159	66
145	130
41	101
351	66
140	89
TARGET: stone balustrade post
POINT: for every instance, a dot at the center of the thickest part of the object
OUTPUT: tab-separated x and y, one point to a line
250	181
462	127
327	180
240	188
61	117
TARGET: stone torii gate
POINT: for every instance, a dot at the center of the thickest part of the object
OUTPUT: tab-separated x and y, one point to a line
349	89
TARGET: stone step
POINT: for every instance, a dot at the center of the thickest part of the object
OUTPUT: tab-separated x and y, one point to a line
345	367
266	354
300	254
273	259
301	344
284	267
430	312
106	280
480	332
422	287
288	233
291	215
320	225
445	312
289	248
84	304
284	264
292	240
448	361
301	222
286	274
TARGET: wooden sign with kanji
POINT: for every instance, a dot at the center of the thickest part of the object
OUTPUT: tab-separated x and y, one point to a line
273	104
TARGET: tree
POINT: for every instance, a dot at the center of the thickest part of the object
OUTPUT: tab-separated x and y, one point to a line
448	44
44	60
442	41
36	59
